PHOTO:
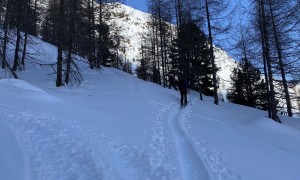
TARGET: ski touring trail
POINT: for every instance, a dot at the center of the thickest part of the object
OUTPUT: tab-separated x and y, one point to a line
213	160
118	127
191	165
173	138
52	151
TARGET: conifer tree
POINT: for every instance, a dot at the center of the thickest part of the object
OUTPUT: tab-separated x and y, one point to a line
190	58
246	77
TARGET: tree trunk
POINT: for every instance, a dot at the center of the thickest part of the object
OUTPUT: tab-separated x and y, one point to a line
1	5
100	40
26	36
24	50
93	33
281	65
161	45
90	58
216	98
157	55
70	43
18	26
269	66
5	38
264	61
60	44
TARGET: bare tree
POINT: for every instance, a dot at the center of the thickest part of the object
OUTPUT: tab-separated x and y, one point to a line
18	29
212	56
59	72
268	61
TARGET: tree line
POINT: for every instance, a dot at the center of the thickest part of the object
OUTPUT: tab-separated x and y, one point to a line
76	27
270	41
181	42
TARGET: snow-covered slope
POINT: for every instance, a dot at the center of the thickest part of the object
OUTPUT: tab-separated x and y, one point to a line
115	126
132	24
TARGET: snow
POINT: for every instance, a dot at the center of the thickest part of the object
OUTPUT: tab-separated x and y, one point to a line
11	157
132	27
116	126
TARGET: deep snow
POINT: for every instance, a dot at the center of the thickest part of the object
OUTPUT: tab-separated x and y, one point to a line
116	126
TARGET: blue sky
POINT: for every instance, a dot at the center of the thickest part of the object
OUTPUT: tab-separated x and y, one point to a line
137	4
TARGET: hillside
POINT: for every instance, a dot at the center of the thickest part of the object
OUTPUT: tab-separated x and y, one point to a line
114	126
132	24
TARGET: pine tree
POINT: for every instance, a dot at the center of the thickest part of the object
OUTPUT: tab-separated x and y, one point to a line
190	58
246	77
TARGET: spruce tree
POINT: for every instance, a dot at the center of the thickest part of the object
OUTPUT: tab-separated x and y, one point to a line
246	77
190	58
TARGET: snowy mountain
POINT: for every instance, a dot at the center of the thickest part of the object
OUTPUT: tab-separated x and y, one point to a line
132	24
115	126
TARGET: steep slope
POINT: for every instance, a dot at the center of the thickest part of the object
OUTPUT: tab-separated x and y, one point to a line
132	24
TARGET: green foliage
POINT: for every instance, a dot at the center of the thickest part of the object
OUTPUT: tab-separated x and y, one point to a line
190	58
105	44
248	88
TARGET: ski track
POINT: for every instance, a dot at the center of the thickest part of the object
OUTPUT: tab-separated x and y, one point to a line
53	150
61	149
195	159
213	159
159	147
191	165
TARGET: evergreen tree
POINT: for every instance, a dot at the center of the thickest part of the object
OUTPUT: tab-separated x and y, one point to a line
50	24
142	71
190	58
246	77
105	45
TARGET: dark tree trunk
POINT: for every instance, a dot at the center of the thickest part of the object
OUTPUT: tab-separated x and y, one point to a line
216	98
90	36
269	65
161	45
59	81
70	43
26	36
281	65
5	38
100	40
18	26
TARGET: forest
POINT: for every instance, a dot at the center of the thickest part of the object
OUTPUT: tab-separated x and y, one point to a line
263	36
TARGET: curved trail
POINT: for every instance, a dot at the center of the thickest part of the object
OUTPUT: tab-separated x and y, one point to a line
191	165
213	160
58	148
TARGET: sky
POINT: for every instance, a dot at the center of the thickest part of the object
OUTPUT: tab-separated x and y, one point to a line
137	4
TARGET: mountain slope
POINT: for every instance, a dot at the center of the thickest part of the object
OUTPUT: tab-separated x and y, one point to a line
115	126
132	24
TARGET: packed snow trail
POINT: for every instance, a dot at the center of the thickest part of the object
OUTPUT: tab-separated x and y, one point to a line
212	159
194	158
191	165
61	149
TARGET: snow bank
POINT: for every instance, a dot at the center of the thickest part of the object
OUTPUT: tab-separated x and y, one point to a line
12	165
